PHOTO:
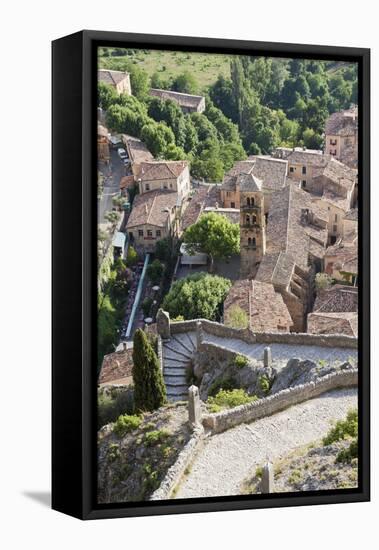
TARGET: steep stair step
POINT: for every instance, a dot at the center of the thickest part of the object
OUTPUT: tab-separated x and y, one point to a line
183	345
173	371
172	347
175	380
169	354
176	364
192	339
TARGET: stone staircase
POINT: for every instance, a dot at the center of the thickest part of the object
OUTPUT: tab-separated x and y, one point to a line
177	357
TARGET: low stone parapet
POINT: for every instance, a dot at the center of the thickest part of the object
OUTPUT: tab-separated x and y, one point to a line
219	422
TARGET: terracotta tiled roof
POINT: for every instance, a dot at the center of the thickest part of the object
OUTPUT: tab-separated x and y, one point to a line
117	367
161	170
268	173
298	155
338	298
342	123
152	208
333	323
204	196
137	149
184	100
338	173
346	255
111	77
264	307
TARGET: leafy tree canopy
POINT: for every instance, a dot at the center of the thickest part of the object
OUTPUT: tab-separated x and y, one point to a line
197	296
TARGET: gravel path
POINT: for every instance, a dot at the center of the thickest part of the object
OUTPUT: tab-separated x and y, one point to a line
281	353
229	457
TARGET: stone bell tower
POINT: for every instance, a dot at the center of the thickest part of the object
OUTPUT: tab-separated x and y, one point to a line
252	225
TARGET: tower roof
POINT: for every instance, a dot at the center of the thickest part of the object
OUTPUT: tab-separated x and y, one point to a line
249	182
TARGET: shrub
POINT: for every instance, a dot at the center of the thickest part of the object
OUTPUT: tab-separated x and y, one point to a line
343	428
110	407
126	423
156	436
323	281
231	398
113	452
227	383
264	383
236	317
240	361
347	455
146	306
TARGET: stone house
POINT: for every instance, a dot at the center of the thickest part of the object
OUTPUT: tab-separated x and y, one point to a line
154	216
341	136
335	186
341	261
187	102
301	163
272	173
103	154
137	153
119	80
264	308
335	311
296	240
168	175
350	225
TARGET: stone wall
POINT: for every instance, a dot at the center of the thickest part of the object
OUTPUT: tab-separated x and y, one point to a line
246	335
175	473
224	420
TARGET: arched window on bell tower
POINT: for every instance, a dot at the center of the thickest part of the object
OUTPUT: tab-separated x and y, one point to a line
247	219
254	219
252	201
248	201
254	244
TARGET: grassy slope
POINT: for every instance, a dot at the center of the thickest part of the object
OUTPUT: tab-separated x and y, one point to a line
205	67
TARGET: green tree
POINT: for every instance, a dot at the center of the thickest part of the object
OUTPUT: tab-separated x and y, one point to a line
106	95
149	387
185	83
155	271
197	296
214	235
131	257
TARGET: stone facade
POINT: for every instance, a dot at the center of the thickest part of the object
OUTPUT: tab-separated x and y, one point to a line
252	231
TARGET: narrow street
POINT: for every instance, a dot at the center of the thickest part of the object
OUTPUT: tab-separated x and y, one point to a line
112	176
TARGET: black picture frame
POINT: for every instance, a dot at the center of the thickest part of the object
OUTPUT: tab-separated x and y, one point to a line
74	73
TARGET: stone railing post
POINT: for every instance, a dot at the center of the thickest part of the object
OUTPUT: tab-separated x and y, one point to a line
267	359
194	407
199	334
163	324
267	481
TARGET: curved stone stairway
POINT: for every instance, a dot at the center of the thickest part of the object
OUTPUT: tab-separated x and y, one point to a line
177	358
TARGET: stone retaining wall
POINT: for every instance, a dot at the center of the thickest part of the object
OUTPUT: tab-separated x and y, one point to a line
224	420
246	335
175	473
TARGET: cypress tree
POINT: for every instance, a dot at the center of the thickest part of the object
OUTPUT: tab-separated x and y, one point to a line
149	387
